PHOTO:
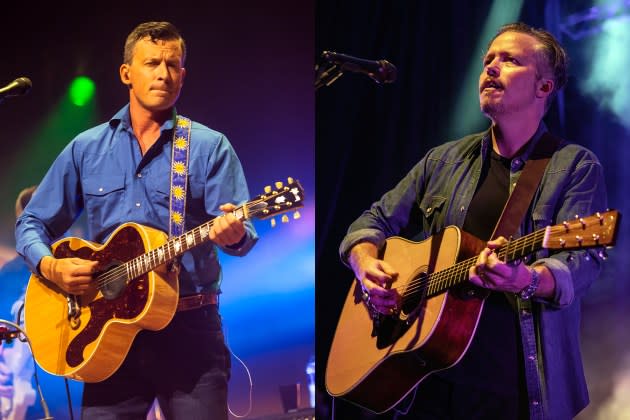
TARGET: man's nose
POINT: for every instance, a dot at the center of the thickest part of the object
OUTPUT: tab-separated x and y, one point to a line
162	70
492	69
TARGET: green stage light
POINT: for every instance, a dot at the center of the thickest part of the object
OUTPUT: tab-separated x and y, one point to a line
82	90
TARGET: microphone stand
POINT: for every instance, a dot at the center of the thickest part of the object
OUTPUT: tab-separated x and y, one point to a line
9	335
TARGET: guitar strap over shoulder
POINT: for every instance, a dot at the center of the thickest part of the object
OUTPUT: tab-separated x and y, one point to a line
521	197
511	216
179	171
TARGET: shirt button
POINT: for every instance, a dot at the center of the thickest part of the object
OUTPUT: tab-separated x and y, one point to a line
535	403
137	204
462	208
532	357
100	189
429	209
139	175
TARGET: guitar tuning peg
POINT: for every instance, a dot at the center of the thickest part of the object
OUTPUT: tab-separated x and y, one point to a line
296	215
273	222
267	189
290	180
278	185
285	218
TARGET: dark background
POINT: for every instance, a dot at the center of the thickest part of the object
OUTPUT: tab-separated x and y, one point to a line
249	75
368	136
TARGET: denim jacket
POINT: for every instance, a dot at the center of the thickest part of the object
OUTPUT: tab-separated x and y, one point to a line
437	192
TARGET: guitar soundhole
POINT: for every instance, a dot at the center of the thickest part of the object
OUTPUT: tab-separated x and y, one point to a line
112	285
389	329
415	293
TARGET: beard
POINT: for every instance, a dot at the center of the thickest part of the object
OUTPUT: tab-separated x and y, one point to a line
496	107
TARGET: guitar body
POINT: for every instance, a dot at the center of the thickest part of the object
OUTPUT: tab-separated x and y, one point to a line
91	345
376	366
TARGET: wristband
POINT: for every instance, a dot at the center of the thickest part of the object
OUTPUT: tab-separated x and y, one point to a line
528	291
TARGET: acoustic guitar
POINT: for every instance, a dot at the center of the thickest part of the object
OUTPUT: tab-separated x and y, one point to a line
87	337
375	360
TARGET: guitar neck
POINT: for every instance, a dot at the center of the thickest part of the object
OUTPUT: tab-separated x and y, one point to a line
516	249
264	206
177	246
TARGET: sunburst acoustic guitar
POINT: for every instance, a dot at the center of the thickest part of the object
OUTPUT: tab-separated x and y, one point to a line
376	360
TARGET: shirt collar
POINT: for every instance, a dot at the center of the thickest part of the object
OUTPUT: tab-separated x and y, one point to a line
518	160
123	117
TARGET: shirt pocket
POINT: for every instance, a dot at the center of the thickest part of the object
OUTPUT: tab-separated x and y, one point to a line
432	210
104	199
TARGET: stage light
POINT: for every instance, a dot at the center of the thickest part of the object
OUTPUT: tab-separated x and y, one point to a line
607	81
81	90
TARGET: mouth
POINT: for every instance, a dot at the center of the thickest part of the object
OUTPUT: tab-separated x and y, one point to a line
490	84
160	89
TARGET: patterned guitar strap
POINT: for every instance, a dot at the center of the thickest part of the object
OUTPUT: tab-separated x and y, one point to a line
179	171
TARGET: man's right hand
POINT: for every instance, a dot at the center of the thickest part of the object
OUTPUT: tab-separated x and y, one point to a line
376	277
72	275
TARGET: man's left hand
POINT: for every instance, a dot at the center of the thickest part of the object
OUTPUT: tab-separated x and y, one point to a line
227	229
491	273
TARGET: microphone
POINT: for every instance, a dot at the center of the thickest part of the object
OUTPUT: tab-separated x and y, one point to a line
19	86
382	71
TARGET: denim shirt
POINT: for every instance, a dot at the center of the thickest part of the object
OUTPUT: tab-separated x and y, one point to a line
104	172
437	192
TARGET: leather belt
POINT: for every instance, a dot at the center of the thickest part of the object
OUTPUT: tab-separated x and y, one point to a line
187	303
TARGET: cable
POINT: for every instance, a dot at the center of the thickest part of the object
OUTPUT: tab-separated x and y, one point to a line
25	339
251	384
65	380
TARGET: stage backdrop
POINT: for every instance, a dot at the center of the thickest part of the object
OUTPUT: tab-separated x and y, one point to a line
250	76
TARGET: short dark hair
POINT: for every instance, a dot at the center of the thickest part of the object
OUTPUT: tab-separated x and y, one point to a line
552	52
155	31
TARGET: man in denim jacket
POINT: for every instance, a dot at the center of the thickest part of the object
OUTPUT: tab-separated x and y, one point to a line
524	360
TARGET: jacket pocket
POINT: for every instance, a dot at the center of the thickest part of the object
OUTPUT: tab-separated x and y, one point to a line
432	210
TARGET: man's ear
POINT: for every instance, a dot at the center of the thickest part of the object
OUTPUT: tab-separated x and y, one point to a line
124	74
545	87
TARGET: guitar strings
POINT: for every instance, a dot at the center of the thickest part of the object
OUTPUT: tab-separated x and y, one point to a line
443	279
120	272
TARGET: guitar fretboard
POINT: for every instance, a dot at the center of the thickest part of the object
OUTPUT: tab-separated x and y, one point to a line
173	248
439	281
262	207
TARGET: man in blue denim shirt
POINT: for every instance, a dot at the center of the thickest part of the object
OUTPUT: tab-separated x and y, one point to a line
120	172
524	360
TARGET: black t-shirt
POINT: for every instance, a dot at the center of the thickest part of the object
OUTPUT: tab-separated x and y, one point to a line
493	359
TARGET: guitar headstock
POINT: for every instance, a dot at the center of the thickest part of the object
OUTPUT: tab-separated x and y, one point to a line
282	199
599	229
